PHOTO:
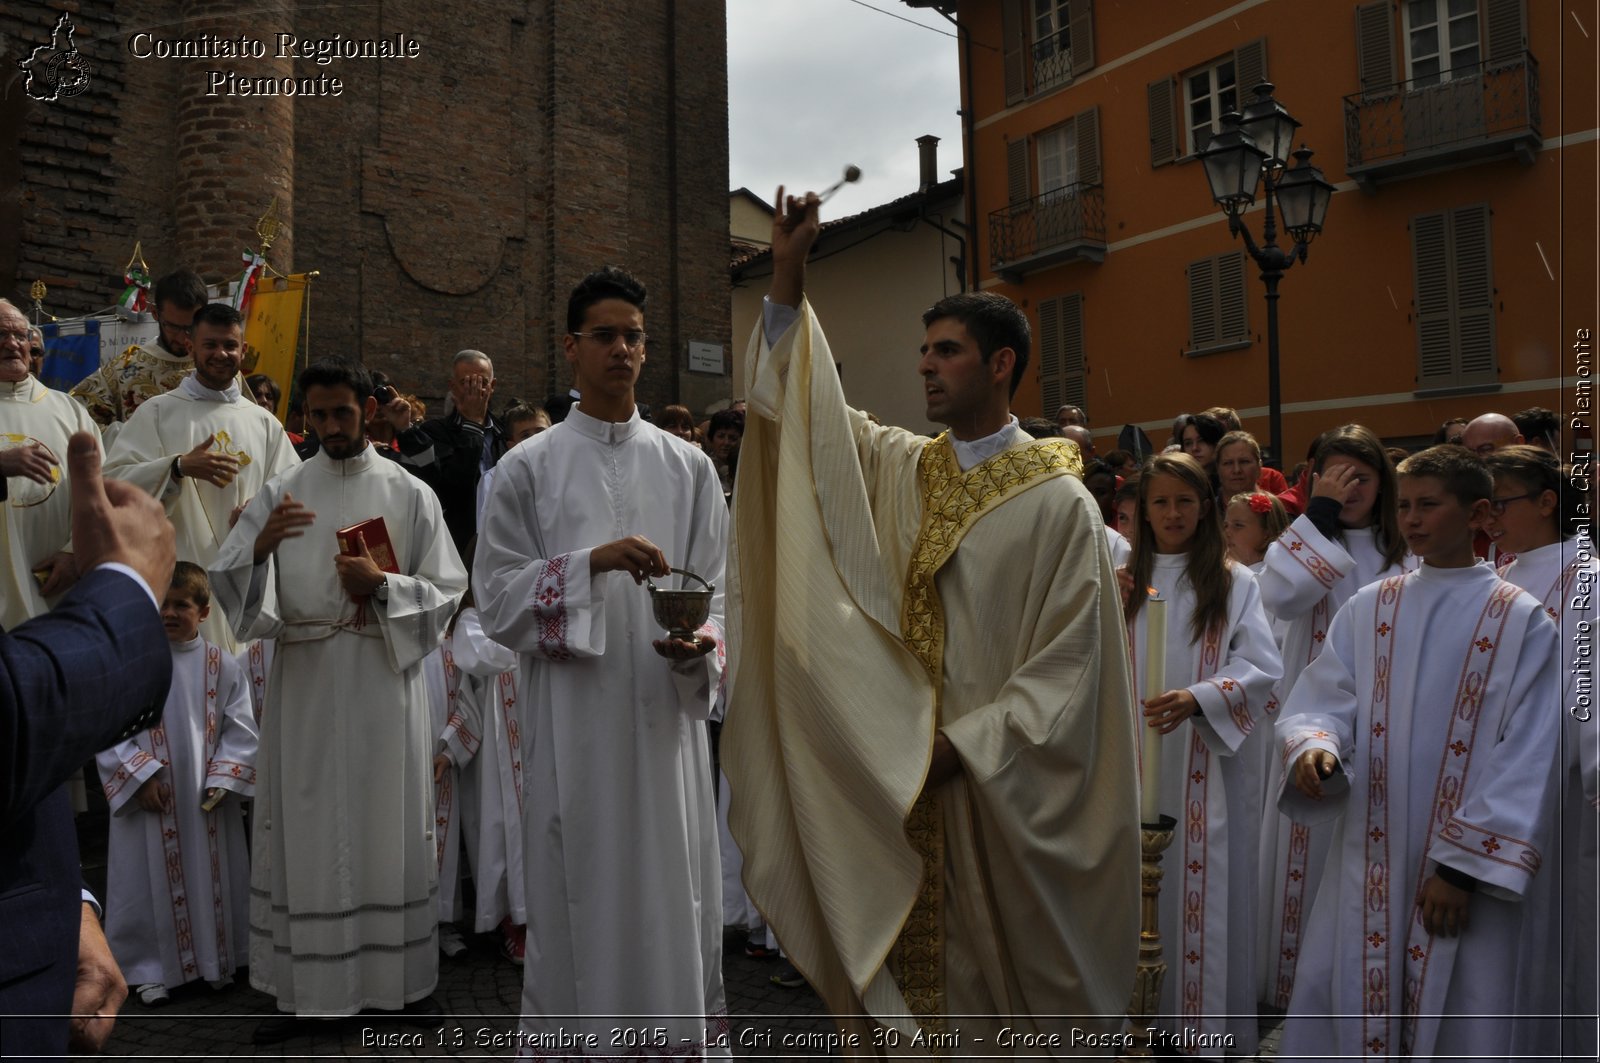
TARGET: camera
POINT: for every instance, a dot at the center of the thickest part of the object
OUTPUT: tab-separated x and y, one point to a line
384	394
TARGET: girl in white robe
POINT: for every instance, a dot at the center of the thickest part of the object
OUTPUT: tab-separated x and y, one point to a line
454	718
179	874
1347	538
1221	664
1527	519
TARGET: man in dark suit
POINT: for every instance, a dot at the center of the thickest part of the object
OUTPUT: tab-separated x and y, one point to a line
88	673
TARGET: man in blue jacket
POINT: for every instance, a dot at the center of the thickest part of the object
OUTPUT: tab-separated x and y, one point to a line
92	671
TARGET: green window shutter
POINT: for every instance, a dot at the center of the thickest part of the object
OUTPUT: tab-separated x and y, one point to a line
1375	48
1080	28
1086	126
1250	69
1232	320
1050	353
1163	122
1073	363
1430	254
1202	303
1015	49
1506	23
1473	295
1017	183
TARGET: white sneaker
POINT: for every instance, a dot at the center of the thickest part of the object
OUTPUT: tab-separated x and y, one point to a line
450	942
153	994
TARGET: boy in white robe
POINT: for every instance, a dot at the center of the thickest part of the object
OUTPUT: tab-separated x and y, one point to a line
492	782
1429	723
178	869
624	913
455	718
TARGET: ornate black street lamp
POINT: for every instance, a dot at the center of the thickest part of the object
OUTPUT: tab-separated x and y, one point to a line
1252	150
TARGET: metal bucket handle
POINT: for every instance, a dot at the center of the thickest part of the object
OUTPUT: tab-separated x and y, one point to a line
682	572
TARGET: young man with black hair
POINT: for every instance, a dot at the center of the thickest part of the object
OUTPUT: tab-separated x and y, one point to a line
204	448
928	639
119	387
623	881
344	881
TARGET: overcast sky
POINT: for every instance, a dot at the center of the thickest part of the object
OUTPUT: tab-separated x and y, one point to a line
814	85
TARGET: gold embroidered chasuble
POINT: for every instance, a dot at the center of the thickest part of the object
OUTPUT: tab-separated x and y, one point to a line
882	594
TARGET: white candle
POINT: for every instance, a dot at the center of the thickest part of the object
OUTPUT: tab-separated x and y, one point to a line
1155	684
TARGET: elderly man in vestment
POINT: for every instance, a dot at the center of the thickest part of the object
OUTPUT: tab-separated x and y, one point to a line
930	741
623	879
114	391
204	449
35	424
343	888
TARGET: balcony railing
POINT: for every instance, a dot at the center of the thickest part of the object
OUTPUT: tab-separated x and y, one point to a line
1052	63
1061	225
1487	111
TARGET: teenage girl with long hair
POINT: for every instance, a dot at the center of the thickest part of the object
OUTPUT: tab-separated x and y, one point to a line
1221	664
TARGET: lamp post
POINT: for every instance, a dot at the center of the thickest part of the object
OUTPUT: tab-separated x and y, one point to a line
1253	150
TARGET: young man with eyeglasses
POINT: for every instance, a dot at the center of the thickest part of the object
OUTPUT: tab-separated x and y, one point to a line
623	875
140	372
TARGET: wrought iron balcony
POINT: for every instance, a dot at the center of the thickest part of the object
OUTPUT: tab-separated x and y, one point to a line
1063	225
1489	111
1052	63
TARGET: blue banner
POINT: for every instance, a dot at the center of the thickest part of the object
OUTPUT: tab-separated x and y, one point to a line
71	352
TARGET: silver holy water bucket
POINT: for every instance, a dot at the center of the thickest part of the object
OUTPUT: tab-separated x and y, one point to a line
681	612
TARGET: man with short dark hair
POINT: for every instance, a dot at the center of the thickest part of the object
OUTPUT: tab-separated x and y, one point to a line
121	385
623	883
928	639
1540	428
204	449
344	878
1067	416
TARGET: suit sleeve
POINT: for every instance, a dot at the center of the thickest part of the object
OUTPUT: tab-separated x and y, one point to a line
73	681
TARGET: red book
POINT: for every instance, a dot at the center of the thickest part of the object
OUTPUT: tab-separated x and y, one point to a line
375	533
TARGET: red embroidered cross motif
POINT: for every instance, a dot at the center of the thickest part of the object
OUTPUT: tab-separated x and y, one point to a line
1490	845
1227	684
1320	635
1198	776
1289	954
169	834
1384	629
1296	875
1484	645
1458	747
1376	835
1416	952
1193	956
1320	734
1378	729
1375	1045
1297	546
1195	866
1272	704
1375	939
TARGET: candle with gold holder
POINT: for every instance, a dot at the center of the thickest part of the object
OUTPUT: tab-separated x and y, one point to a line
1155	684
1154	838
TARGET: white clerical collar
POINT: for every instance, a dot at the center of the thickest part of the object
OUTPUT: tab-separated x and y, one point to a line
970	453
18	390
1461	574
189	646
192	387
604	431
346	466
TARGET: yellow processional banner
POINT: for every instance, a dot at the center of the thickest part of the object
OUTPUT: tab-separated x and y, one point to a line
272	331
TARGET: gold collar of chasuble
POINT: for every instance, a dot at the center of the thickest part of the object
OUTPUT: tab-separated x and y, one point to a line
952	502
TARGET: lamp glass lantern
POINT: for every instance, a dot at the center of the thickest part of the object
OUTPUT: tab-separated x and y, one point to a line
1303	196
1270	125
1233	166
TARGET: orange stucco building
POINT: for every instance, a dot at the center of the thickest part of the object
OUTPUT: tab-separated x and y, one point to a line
1457	265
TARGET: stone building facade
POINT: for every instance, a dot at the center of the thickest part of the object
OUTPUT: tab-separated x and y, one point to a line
447	199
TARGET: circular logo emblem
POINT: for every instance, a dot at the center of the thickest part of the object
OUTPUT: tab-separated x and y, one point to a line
68	74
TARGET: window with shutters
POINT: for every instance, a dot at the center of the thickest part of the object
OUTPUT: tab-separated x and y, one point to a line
1442	39
1055	209
1217	304
1057	151
1047	44
1186	111
1063	369
1454	302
